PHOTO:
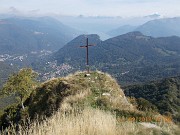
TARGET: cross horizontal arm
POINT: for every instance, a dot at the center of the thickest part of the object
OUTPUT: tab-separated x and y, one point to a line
91	45
83	46
86	46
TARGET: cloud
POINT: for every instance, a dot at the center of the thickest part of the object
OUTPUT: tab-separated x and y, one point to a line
34	11
96	7
13	9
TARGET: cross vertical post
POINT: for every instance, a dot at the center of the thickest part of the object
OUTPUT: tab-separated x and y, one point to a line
87	54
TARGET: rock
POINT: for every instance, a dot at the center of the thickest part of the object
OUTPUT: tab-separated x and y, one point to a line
87	75
106	94
150	125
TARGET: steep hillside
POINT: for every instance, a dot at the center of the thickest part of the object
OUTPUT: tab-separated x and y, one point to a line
131	57
165	94
23	35
161	27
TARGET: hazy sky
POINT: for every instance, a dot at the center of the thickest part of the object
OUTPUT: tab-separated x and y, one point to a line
93	7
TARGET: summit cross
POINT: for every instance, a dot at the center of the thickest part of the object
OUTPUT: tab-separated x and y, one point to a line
87	53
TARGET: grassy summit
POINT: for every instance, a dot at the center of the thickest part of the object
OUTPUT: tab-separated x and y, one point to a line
98	90
92	105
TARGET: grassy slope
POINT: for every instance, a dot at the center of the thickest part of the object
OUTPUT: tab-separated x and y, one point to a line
94	122
86	105
98	90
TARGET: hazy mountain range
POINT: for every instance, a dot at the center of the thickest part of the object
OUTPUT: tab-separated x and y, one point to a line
155	28
161	27
131	57
101	25
23	35
121	30
26	34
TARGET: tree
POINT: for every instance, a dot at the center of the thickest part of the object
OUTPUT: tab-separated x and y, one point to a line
20	84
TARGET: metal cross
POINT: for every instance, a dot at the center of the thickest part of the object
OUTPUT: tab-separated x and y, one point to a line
87	53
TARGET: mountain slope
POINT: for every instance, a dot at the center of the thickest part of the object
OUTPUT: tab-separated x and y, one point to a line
121	30
164	94
131	57
22	35
72	50
161	27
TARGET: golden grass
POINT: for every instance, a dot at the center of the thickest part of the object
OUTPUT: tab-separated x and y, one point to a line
91	122
79	119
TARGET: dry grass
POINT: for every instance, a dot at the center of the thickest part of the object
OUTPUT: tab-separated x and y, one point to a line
66	105
91	122
85	120
100	86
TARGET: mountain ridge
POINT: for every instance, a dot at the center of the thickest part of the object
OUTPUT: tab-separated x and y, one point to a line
134	53
161	27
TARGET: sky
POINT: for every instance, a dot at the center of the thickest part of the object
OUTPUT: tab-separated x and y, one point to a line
123	8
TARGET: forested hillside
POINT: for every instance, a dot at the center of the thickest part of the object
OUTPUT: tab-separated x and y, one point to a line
165	94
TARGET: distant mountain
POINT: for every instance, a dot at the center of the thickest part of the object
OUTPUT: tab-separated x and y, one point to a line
155	16
156	28
72	52
131	57
22	35
121	30
101	25
165	94
161	27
